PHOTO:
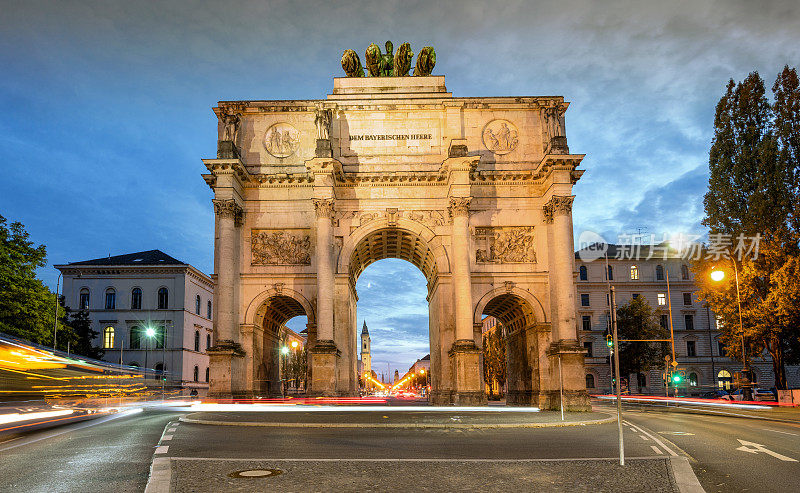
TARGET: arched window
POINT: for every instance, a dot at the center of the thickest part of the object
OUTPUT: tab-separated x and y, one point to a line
136	299
134	364
589	381
196	374
634	273
206	374
136	337
197	340
610	272
684	272
108	338
693	379
111	299
724	380
83	302
197	303
159	368
659	272
208	341
208	310
163	299
582	274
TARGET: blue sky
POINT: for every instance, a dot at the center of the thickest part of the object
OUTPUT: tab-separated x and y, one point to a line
105	108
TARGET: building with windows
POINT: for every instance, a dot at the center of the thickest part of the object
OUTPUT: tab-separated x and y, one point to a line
643	270
150	310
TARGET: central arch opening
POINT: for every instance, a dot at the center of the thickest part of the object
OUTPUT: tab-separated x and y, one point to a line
393	301
281	369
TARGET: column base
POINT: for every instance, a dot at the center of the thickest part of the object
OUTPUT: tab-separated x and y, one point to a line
324	356
226	366
467	377
573	378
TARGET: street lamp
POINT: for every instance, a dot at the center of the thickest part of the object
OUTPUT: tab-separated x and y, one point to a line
718	275
295	344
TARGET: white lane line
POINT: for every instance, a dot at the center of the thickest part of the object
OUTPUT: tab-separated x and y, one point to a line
161	449
778	431
656	449
166	437
669	450
643	437
172	430
434	459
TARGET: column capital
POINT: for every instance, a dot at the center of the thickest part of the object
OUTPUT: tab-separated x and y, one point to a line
459	206
324	208
559	205
228	208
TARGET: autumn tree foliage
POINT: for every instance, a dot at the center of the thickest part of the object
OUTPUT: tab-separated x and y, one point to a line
754	189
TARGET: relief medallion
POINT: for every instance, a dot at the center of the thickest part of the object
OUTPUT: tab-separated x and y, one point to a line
500	136
282	140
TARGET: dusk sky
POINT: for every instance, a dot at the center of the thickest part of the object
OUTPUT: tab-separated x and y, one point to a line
106	109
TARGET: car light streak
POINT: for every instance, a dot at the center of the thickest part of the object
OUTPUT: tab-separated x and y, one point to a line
276	407
687	400
17	417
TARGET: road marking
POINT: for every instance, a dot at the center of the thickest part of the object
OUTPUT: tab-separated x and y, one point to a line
671	452
680	433
656	449
166	437
11	440
778	431
410	459
161	449
755	448
643	437
172	430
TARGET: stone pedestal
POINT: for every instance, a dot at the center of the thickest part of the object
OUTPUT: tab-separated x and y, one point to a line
227	150
467	378
573	378
226	363
324	357
323	148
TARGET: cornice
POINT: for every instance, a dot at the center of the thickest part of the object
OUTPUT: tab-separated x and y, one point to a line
227	166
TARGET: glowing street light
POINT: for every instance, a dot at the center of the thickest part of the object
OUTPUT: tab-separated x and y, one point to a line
150	332
295	344
718	275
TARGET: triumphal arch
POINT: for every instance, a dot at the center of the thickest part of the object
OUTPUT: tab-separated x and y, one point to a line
474	191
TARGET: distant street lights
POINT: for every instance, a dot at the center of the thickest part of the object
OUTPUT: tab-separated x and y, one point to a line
718	275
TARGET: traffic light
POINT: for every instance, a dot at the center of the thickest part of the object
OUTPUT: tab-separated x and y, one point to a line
609	340
676	378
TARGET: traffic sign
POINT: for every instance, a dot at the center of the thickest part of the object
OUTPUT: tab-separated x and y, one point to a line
674	363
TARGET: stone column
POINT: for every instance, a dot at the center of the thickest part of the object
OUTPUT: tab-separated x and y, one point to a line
464	353
560	212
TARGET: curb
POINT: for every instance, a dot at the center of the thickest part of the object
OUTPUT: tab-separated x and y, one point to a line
685	478
160	480
610	419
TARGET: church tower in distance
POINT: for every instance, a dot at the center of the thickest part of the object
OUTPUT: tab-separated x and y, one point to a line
366	357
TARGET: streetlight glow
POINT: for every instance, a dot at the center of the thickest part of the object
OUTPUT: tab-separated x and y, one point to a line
285	350
150	332
295	344
717	275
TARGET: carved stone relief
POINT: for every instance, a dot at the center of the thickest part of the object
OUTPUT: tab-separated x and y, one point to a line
281	247
282	140
500	136
505	245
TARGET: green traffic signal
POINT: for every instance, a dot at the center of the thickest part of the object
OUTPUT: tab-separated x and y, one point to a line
676	377
609	341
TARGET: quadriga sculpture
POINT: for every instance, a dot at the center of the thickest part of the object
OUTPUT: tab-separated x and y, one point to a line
352	64
402	60
426	60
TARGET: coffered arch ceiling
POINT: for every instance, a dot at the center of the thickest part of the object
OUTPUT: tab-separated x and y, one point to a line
393	243
513	312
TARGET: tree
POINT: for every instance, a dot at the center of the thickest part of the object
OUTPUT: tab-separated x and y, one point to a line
754	189
81	335
637	320
494	358
27	306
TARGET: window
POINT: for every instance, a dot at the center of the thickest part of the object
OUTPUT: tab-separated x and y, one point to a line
160	336
111	299
136	299
83	304
659	272
136	337
108	338
587	322
588	347
664	322
641	380
196	374
583	275
197	340
206	374
693	379
208	341
584	299
662	299
208	309
687	298
159	368
691	348
610	273
608	299
689	320
163	299
724	380
634	273
684	272
197	304
720	323
721	348
634	296
589	381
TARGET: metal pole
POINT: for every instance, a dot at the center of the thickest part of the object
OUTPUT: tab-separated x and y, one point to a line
164	359
560	387
121	348
608	299
55	317
616	368
746	392
669	307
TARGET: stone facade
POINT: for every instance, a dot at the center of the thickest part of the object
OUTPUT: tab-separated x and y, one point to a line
476	192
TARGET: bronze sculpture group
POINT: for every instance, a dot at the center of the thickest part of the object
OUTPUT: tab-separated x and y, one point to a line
389	64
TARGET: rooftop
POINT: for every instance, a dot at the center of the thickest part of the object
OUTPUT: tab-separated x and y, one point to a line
149	257
658	251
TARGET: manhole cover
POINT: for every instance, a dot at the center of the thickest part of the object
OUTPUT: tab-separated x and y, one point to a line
255	473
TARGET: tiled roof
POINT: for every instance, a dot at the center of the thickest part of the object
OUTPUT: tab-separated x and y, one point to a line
150	257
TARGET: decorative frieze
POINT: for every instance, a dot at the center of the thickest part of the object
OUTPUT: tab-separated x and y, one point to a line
505	245
431	219
280	247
